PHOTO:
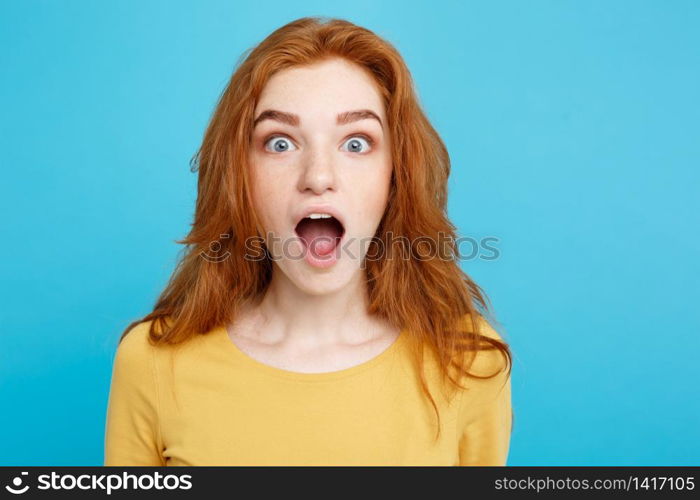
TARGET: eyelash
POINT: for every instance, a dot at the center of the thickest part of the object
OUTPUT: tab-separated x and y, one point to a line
369	140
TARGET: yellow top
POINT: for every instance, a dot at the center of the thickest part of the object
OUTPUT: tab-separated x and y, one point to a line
206	402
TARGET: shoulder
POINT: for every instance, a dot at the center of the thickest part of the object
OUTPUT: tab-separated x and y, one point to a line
484	327
487	391
137	337
493	354
134	350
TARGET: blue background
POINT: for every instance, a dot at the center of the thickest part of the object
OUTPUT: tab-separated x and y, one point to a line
574	138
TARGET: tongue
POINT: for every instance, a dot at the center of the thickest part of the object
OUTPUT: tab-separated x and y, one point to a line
320	235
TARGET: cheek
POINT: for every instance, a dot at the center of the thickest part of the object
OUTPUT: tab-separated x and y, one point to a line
267	193
372	194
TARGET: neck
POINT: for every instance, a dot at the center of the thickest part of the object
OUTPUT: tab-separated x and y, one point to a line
288	314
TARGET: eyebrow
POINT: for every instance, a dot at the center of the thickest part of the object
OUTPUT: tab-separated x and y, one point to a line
293	120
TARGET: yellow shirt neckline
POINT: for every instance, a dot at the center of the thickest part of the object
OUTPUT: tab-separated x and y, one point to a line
228	345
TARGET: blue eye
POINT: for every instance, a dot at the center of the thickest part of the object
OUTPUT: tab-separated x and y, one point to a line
280	144
356	143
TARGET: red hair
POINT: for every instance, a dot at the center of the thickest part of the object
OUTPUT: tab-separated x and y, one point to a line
437	304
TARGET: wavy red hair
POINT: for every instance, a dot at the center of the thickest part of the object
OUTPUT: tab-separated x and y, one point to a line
440	307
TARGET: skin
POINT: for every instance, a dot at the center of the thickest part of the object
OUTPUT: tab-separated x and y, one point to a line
316	320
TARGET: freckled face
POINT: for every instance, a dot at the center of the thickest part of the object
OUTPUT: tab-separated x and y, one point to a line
311	151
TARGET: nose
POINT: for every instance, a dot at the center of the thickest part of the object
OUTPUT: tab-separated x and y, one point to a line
318	174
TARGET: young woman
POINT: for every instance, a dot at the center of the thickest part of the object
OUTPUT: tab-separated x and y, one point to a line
319	315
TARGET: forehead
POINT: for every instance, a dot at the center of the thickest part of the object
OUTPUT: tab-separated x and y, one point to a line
322	90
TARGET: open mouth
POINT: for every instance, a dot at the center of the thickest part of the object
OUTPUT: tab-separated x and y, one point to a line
321	233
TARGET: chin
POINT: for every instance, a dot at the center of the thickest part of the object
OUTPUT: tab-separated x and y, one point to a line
313	282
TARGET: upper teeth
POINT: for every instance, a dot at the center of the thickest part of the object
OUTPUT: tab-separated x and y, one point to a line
319	216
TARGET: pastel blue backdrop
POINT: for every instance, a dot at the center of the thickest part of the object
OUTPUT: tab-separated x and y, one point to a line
574	138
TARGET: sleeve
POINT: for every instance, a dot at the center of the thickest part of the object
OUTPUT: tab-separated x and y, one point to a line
132	428
486	416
